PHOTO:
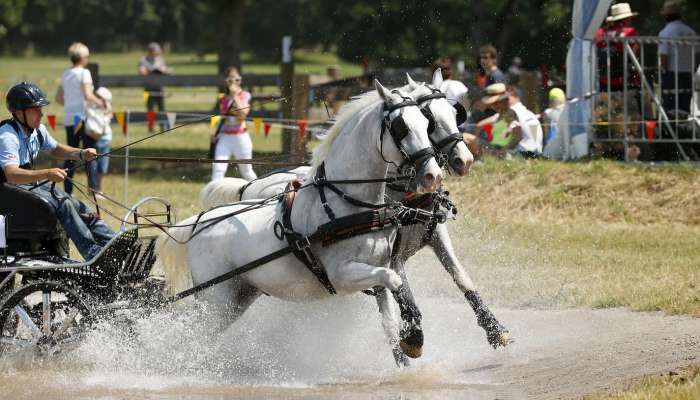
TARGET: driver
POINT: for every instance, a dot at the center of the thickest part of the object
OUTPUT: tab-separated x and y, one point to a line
22	137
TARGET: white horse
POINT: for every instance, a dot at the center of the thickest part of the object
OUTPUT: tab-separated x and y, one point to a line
413	237
355	148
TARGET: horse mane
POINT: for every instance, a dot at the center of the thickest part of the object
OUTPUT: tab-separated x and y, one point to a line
347	113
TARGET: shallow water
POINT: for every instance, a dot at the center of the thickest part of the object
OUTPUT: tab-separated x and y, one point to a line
278	350
332	349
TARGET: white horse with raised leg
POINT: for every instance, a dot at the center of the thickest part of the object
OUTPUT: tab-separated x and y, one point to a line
357	147
446	138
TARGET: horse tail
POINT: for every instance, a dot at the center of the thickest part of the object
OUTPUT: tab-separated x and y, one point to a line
172	258
220	192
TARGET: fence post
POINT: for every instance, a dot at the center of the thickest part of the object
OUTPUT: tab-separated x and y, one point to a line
294	88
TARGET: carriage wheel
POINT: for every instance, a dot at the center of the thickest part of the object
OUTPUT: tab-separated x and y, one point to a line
43	316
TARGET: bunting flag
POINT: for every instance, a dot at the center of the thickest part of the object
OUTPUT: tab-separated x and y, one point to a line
151	119
651	129
171	116
302	127
220	95
119	116
127	119
146	95
257	123
267	127
214	122
52	121
77	122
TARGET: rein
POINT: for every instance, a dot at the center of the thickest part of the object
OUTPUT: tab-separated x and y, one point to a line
197	120
254	161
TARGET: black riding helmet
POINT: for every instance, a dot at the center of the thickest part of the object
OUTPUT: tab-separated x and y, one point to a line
25	95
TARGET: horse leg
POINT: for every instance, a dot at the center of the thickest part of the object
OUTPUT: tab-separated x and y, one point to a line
356	276
496	334
240	296
390	323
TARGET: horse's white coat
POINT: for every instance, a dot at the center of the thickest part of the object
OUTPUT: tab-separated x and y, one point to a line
352	265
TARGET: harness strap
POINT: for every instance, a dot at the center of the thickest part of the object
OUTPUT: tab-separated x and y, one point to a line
300	245
238	271
437	94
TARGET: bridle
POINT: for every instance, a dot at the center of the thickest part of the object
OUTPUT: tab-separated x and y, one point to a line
396	126
445	145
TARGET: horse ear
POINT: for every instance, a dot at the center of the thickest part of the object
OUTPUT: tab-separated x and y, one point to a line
384	93
437	78
411	83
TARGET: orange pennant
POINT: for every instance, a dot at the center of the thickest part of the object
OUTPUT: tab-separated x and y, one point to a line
257	122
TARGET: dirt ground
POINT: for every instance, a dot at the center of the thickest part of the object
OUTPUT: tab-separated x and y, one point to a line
336	349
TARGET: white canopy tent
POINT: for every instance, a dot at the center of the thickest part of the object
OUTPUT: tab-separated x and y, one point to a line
573	129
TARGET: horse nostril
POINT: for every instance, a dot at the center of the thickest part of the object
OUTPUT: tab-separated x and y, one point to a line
431	182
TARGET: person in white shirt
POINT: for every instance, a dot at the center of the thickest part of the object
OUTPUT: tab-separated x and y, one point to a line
232	137
153	63
523	127
675	59
74	92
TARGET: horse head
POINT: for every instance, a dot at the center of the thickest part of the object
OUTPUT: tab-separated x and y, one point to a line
443	119
410	147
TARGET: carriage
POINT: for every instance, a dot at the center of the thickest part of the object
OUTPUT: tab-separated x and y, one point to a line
48	299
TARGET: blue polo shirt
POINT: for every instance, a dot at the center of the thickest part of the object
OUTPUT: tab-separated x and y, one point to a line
18	149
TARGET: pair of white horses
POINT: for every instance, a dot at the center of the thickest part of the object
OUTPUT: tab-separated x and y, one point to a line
353	149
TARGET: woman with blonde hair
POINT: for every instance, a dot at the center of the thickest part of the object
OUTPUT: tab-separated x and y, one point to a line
74	93
233	138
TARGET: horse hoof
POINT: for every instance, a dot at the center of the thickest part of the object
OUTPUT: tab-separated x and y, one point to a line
412	343
500	339
411	351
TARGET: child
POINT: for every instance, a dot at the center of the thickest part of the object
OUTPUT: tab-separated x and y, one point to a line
98	128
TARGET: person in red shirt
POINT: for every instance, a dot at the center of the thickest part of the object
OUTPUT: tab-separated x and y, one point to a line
619	25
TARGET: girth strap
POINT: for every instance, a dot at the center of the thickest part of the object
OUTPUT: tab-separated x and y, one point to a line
301	245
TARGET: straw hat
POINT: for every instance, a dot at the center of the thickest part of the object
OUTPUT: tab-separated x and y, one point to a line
672	7
494	93
620	11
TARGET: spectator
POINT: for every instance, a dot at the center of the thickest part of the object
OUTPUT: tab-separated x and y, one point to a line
557	100
21	139
488	60
619	26
514	71
74	92
98	128
523	128
454	90
675	60
233	135
153	64
333	95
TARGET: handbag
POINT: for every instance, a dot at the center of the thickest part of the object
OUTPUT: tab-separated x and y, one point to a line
95	123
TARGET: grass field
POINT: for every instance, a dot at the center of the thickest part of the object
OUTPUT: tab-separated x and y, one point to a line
539	234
